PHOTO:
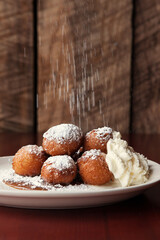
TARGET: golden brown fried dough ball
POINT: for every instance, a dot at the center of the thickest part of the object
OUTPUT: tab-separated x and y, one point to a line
97	139
29	160
93	168
59	170
63	139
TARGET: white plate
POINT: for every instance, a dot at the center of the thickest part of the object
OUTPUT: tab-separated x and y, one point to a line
71	198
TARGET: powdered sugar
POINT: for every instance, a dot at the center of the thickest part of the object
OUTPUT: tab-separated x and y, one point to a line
60	163
9	176
101	132
64	132
92	154
33	149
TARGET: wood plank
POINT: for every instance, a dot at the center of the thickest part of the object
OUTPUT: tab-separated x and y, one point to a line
16	65
146	67
84	63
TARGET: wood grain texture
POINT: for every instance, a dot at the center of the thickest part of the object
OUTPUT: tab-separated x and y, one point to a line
146	67
16	65
84	63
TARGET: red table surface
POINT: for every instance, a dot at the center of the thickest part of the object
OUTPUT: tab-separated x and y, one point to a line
136	218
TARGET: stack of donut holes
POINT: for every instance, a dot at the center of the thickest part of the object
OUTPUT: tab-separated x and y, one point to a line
65	155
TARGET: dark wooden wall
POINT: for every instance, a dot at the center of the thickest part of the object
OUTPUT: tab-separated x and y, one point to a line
146	67
91	62
16	66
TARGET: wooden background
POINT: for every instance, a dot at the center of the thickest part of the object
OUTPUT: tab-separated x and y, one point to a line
89	62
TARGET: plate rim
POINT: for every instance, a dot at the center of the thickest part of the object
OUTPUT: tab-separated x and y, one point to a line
80	193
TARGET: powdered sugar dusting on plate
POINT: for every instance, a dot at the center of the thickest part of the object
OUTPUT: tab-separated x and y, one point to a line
60	163
63	132
38	182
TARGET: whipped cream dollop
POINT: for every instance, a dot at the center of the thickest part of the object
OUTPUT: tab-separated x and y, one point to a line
128	166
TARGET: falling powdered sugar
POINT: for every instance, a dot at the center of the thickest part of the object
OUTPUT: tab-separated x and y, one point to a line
64	132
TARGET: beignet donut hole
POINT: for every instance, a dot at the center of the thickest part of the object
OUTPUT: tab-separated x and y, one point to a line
59	170
63	139
97	139
93	168
28	160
